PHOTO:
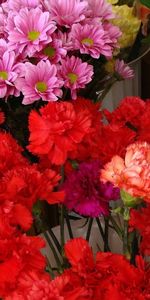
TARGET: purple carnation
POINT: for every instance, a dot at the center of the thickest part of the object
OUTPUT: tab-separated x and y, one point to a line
86	194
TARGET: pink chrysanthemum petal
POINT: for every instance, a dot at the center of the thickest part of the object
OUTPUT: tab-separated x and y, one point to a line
40	81
66	12
29	30
76	74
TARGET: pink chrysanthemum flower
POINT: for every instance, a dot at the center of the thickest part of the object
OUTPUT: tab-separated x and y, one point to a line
100	8
3	47
91	39
66	40
8	74
113	32
3	18
76	74
53	51
29	30
16	5
66	12
40	81
124	71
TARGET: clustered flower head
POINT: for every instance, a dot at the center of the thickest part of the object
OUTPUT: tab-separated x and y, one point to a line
44	43
22	185
109	276
85	194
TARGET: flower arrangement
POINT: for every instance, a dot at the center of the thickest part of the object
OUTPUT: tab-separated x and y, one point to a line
94	175
58	146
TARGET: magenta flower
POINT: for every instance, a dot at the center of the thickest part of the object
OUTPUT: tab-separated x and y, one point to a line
123	70
29	30
76	74
8	74
100	8
85	194
66	12
91	39
40	82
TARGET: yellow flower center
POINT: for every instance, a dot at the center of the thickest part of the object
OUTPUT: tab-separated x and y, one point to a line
3	75
72	77
41	86
87	42
49	51
33	35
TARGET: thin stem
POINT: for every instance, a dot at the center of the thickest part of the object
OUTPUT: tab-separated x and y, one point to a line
49	268
106	89
125	239
89	229
116	227
55	240
53	250
100	228
106	233
69	226
62	227
134	248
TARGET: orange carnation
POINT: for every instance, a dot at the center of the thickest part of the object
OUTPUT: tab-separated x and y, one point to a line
132	173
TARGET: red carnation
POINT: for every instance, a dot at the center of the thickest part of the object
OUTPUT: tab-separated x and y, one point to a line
57	129
129	110
140	220
19	254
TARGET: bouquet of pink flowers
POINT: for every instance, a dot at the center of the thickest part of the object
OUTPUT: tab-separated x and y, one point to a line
58	147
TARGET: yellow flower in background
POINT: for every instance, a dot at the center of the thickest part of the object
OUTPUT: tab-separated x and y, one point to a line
128	24
110	66
112	1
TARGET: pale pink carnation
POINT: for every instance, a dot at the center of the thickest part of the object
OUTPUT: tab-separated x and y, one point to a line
76	74
100	8
40	82
67	12
123	70
29	30
91	39
132	173
8	74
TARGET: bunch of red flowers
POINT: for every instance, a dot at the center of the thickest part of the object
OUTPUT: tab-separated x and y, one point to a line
22	184
109	276
74	134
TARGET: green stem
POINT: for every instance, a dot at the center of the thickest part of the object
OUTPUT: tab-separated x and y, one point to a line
100	228
55	240
89	229
62	228
58	262
125	240
49	268
106	89
116	227
69	226
106	235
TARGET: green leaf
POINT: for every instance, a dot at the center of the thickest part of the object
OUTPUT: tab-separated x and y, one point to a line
129	200
146	3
